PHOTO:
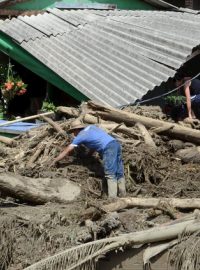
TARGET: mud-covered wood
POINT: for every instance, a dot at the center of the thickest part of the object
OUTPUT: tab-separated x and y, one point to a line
36	191
177	131
147	137
7	141
129	202
55	125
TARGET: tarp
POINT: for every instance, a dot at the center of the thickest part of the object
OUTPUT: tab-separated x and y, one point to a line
17	128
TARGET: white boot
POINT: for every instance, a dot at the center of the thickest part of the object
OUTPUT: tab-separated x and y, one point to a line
112	187
121	187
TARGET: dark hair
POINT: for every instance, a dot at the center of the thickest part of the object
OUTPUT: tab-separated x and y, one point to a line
179	76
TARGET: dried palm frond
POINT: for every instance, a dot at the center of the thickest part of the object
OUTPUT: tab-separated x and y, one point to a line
83	257
186	254
77	258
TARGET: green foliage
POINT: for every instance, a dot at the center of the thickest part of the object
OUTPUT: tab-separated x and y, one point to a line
48	106
175	100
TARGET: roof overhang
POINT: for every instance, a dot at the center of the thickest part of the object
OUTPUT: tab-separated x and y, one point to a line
113	57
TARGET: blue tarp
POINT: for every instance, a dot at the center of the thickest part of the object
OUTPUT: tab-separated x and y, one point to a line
17	128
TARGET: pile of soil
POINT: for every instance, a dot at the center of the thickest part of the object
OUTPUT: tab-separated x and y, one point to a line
30	233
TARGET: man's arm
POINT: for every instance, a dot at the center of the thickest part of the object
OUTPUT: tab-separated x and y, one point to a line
188	99
67	150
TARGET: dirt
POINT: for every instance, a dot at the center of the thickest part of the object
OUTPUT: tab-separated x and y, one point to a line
30	233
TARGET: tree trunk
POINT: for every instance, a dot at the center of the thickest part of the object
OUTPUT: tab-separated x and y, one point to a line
37	191
90	119
122	203
177	131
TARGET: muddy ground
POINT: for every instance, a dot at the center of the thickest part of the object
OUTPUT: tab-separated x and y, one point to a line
30	233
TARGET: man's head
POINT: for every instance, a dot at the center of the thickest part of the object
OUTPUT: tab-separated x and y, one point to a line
76	126
178	79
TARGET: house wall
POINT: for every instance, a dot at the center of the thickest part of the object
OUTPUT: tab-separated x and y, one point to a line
121	4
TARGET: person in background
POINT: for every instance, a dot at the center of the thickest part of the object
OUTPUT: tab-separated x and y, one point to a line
109	149
191	90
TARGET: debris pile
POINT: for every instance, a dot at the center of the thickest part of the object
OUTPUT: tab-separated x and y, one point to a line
161	160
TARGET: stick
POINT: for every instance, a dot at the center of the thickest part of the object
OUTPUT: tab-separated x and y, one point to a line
8	141
25	118
55	126
147	137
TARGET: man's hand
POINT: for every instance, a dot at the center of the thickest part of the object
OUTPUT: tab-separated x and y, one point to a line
53	164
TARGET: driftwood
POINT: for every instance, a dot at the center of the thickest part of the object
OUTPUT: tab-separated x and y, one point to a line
177	131
55	126
159	203
90	119
8	141
37	191
147	137
26	118
71	112
122	203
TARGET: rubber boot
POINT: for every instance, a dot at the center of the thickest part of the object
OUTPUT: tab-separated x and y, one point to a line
112	187
121	187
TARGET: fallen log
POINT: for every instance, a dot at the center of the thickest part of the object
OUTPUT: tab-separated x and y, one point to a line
55	126
38	191
7	141
90	119
159	203
122	203
177	131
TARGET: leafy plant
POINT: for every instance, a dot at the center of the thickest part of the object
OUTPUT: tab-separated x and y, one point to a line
175	100
48	106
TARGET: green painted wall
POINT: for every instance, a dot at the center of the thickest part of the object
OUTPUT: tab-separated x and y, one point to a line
43	4
17	53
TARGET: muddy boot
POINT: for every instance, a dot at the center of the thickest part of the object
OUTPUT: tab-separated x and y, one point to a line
112	187
121	187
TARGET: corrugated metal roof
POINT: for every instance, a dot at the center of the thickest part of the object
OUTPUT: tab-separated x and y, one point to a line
113	57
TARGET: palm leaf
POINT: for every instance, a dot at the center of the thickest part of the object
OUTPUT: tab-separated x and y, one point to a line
83	257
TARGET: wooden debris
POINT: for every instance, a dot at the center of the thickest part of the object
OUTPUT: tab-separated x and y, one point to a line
37	191
177	131
26	118
55	126
147	137
8	141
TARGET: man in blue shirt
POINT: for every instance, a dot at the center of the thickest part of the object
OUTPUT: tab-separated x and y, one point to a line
109	149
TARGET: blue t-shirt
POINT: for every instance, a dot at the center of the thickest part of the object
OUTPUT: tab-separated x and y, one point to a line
93	137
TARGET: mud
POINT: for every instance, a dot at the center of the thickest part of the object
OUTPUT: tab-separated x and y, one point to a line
30	233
